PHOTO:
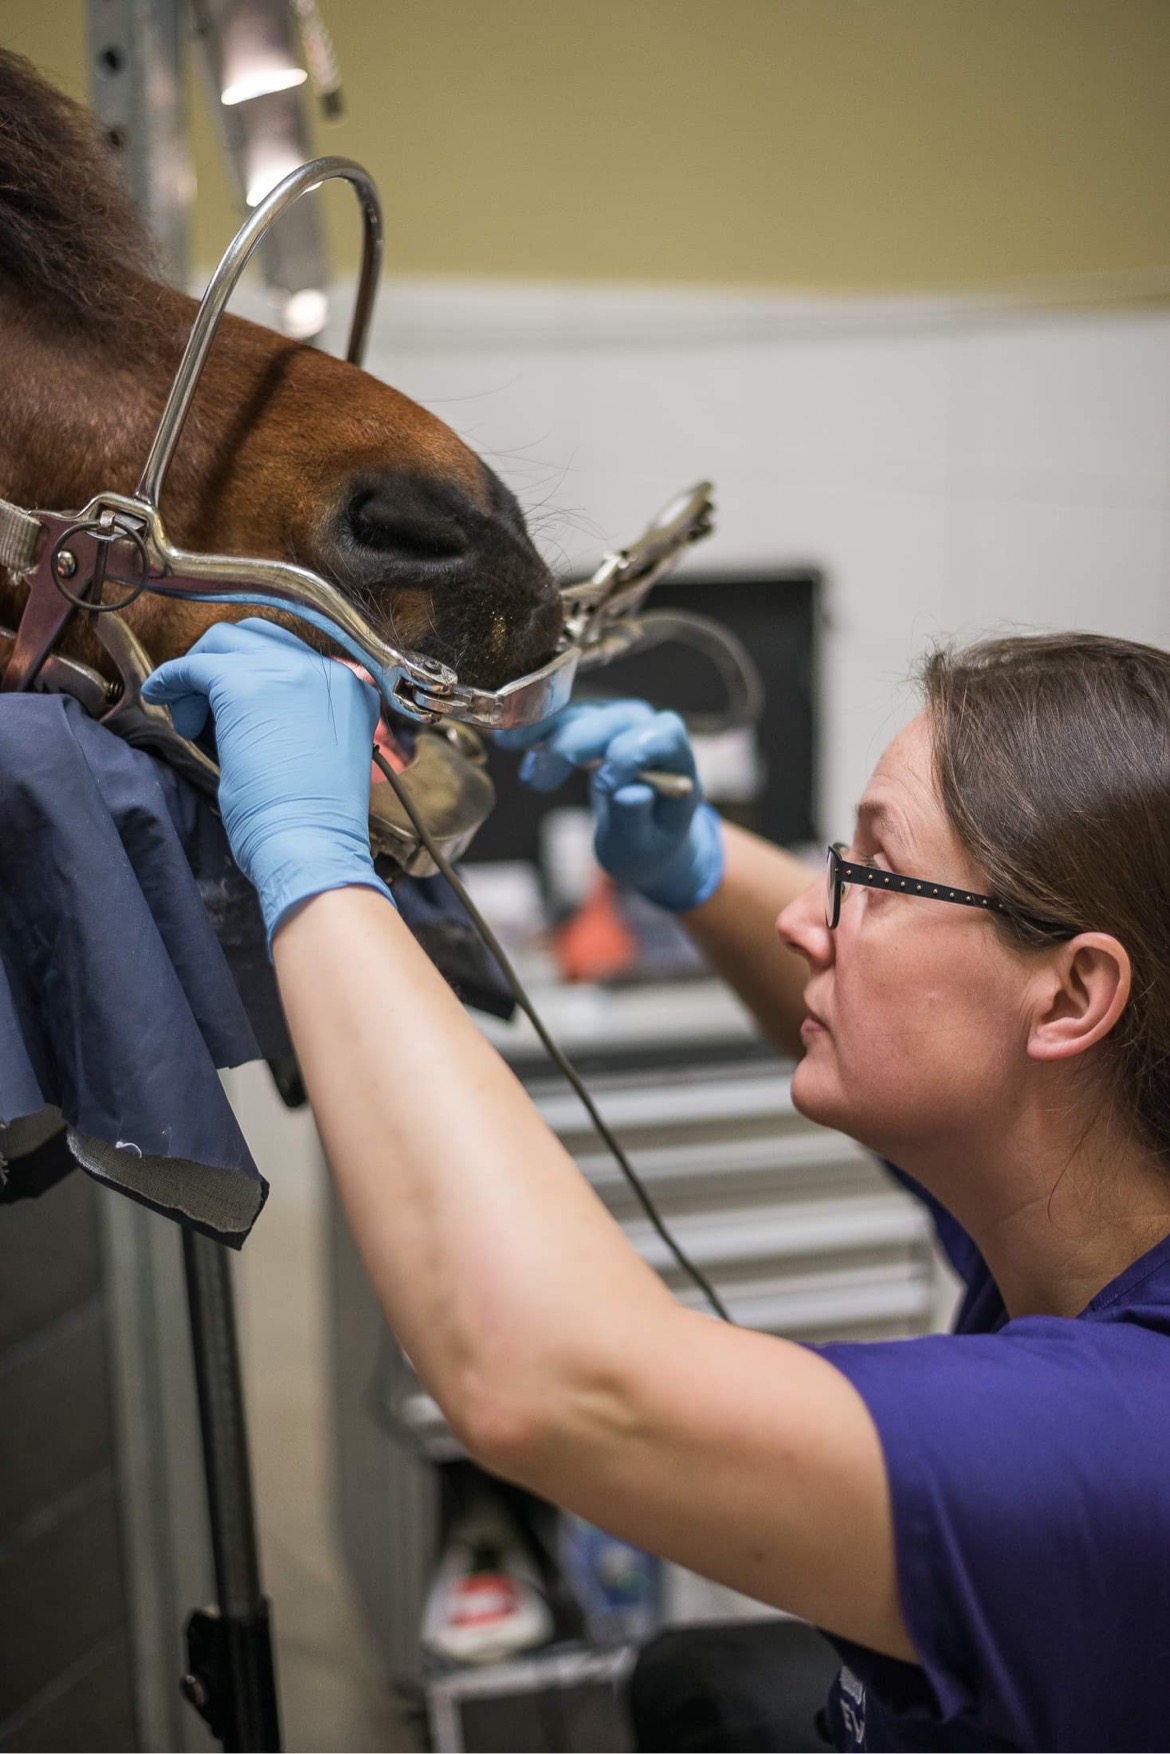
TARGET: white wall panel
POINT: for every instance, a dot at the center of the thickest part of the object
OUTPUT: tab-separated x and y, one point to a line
1066	408
1032	563
864	409
868	699
886	551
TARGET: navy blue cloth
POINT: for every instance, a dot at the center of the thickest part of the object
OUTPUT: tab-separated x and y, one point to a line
1029	1471
117	1003
134	962
435	915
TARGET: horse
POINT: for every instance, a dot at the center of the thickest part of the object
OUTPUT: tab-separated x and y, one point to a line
287	452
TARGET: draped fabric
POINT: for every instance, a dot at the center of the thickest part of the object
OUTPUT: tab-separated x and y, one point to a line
134	963
117	1003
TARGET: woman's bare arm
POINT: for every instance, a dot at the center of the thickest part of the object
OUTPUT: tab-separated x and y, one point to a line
736	932
557	1355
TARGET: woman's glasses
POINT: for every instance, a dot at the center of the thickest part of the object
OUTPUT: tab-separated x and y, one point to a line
840	873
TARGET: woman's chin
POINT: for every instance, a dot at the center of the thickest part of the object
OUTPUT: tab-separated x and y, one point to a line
815	1093
818	1096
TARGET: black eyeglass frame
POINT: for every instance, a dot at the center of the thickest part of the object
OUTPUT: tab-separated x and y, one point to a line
839	872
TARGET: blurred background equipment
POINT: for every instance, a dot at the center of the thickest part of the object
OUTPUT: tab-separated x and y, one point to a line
257	62
263	62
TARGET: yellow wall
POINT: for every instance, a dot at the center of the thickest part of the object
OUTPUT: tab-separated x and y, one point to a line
827	144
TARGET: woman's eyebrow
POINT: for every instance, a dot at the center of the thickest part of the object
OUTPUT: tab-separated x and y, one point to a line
875	816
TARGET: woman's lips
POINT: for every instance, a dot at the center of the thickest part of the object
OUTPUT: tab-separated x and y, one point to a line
812	1026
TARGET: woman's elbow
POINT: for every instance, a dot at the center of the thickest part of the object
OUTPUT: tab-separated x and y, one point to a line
501	1429
536	1427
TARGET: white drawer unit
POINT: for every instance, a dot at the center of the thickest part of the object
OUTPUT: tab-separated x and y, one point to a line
801	1231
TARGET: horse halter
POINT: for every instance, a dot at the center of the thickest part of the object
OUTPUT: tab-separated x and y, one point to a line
67	559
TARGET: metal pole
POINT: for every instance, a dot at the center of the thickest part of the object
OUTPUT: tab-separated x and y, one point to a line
232	1679
136	86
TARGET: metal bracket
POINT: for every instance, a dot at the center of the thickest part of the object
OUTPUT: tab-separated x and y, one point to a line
602	610
230	1678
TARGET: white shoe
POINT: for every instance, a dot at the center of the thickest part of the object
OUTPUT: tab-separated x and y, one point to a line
485	1603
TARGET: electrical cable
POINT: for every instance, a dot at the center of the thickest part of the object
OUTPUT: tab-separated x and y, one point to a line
559	1059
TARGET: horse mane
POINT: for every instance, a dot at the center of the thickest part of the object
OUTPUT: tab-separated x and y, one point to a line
73	245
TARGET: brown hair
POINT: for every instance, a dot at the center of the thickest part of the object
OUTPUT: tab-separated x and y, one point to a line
1052	758
71	239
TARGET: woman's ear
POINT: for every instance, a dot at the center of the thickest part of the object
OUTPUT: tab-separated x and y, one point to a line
1079	996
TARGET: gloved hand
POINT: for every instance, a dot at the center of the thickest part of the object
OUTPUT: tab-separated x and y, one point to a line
669	849
294	732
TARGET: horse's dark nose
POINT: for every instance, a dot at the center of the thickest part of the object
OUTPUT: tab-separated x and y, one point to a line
454	571
408	520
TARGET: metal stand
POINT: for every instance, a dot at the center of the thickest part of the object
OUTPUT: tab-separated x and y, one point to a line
136	56
231	1680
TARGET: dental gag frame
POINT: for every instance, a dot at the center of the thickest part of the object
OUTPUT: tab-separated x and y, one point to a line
66	559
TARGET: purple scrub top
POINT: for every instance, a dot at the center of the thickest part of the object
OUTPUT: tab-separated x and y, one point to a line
1029	1470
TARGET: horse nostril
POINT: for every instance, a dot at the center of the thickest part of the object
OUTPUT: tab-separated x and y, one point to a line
406	520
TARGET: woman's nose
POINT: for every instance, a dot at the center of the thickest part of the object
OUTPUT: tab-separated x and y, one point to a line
802	927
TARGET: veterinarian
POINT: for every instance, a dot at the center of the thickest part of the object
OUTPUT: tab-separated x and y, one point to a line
980	1522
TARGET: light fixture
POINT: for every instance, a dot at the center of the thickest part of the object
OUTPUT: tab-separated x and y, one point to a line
255	50
266	171
260	82
305	313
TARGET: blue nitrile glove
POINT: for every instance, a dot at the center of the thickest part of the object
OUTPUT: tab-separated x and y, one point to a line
294	731
669	849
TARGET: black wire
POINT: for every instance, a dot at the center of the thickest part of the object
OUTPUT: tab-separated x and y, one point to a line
555	1054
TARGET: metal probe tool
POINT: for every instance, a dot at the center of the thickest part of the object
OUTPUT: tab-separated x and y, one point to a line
659	779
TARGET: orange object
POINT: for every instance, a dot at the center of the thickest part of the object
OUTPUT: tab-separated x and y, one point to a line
596	942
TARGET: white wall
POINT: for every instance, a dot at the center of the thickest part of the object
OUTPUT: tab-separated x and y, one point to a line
954	469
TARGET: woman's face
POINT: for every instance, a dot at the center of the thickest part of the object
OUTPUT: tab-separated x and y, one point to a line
918	1020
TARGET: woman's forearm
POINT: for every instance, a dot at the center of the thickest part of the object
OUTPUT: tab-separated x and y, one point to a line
736	932
495	1262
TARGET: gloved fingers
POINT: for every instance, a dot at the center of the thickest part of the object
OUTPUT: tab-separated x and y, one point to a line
194	673
189	714
271	630
661	741
636	809
548	730
634	805
251	637
258	639
524	736
268	635
579	737
184	684
544	771
370	696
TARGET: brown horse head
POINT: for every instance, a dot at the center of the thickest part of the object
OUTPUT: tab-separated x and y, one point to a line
287	452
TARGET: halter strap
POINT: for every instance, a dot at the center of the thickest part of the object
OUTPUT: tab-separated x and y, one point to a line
46	613
20	535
